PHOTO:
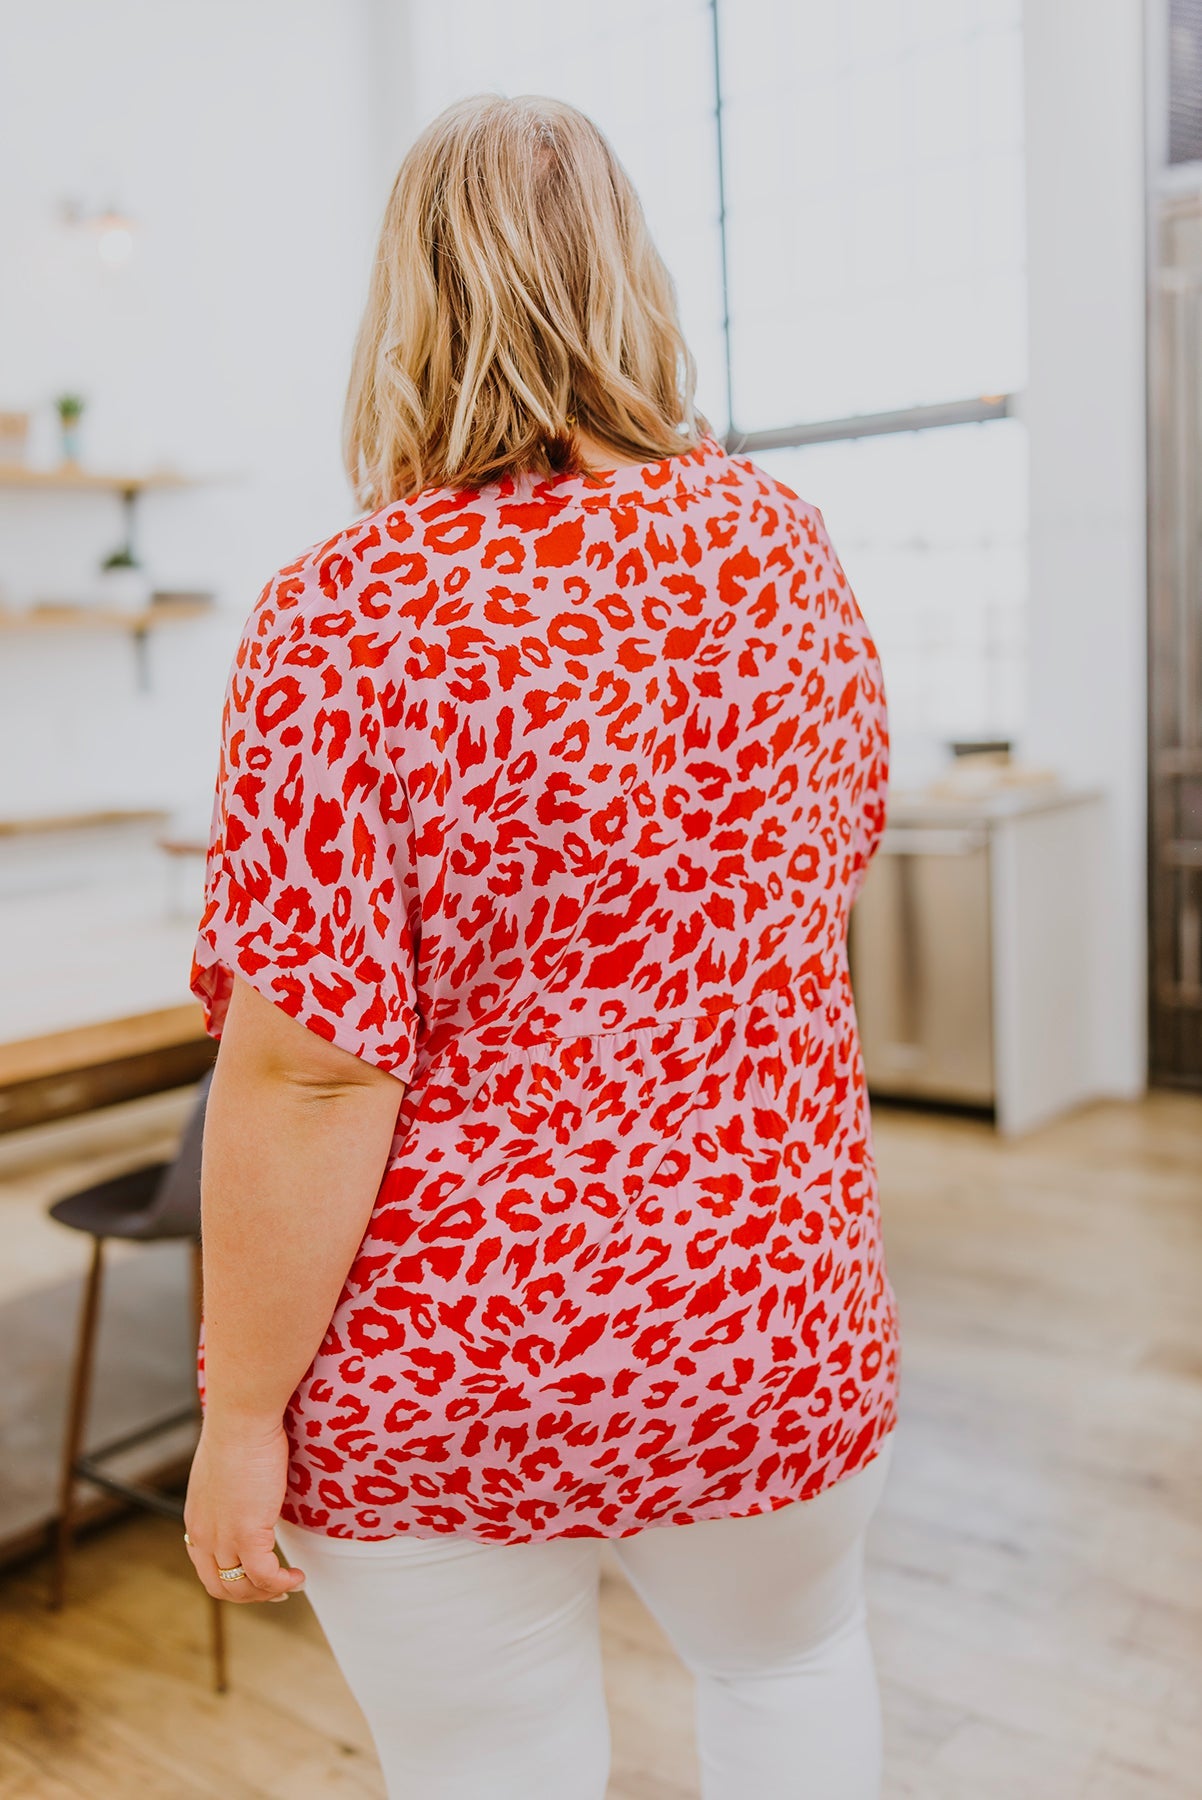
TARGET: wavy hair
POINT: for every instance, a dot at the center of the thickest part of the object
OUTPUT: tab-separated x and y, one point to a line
516	296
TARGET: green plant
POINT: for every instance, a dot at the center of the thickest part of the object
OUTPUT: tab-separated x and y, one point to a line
123	558
70	408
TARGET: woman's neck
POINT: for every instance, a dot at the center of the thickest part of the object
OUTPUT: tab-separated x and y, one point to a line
602	459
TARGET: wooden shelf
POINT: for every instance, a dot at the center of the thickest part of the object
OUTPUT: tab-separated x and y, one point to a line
59	618
107	816
72	476
127	488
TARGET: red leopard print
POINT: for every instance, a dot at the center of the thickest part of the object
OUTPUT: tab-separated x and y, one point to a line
551	799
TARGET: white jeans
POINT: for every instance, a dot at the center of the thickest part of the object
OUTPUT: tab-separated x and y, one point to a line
478	1666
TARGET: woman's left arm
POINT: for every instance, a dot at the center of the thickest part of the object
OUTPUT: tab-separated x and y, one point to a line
296	1142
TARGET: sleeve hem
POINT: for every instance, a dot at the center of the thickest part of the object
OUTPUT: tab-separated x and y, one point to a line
357	1021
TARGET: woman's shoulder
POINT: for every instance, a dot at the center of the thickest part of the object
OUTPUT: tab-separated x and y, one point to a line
404	543
393	543
337	568
769	485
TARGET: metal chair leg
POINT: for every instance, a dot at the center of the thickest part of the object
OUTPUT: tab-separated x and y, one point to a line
217	1620
77	1417
197	1286
217	1638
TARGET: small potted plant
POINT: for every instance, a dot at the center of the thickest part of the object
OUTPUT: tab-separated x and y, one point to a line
123	582
70	408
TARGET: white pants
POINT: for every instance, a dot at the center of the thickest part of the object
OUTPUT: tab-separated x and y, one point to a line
478	1666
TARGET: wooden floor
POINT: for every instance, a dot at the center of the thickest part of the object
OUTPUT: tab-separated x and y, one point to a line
1036	1570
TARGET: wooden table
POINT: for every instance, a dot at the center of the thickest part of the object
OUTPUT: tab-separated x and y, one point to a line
63	1072
95	952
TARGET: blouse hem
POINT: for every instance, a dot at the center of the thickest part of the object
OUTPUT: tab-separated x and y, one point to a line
354	1546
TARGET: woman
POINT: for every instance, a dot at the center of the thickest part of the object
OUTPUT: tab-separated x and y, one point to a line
539	1205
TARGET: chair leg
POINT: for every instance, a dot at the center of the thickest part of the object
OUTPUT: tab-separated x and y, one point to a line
77	1417
216	1607
197	1286
217	1621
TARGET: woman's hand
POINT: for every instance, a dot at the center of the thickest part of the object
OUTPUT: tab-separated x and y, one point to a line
235	1492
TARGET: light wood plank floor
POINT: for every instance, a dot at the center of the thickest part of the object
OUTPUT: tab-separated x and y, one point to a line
1036	1570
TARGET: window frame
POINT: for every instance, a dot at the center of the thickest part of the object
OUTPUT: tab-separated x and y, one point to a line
973	409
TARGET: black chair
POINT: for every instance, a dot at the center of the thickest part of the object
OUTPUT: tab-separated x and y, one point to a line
150	1204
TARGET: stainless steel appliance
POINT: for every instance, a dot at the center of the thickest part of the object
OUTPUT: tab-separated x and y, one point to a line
972	949
920	950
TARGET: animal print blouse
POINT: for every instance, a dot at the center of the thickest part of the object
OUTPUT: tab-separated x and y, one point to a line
551	799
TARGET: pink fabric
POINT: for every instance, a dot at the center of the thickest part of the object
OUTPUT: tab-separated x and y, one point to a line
551	799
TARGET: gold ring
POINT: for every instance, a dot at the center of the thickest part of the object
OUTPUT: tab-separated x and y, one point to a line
237	1573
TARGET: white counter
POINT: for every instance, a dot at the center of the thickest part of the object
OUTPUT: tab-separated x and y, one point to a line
972	950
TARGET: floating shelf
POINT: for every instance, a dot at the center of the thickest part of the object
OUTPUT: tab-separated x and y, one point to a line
75	477
36	823
138	624
58	618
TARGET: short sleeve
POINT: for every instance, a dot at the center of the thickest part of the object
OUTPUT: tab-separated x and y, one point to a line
310	885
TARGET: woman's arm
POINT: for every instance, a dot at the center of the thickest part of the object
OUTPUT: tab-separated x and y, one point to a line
296	1142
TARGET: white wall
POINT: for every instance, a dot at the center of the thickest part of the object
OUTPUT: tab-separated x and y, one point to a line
242	135
1084	409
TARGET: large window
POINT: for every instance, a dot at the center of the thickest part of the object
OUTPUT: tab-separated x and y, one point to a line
874	203
862	254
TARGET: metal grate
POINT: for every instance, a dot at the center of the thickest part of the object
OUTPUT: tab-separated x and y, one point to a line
1185	81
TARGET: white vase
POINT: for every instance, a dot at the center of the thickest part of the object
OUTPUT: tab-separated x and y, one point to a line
124	589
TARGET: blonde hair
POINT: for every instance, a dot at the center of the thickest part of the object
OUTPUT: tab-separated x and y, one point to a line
516	295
